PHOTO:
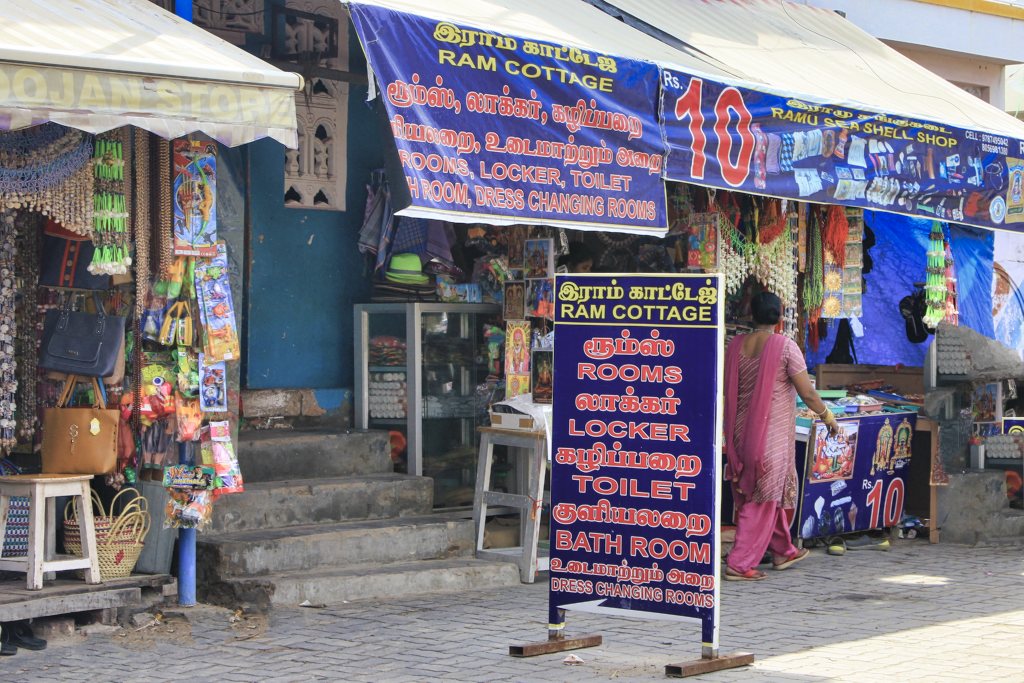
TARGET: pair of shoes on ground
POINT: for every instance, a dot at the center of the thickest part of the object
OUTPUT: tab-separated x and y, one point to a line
758	575
839	546
18	634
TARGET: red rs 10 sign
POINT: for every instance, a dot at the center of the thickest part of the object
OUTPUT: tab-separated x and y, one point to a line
733	138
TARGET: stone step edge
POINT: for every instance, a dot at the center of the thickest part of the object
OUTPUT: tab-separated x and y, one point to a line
354	526
321	482
257	591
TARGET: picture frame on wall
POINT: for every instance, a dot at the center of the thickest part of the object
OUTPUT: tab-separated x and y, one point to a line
540	259
515	300
540	299
987	402
516	246
542	372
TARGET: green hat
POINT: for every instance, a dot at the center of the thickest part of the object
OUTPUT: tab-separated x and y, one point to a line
406	269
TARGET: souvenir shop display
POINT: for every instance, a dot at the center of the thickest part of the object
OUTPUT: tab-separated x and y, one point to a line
80	440
190	499
517	358
108	362
540	299
86	344
110	235
542	372
195	198
216	307
219	453
213	395
515	300
540	258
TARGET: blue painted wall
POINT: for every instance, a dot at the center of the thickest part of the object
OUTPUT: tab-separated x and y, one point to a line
305	272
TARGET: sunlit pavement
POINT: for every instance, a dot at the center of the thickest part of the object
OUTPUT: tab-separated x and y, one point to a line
919	612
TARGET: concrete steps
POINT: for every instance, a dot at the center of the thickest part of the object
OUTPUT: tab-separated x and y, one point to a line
375	582
276	504
263	551
276	455
325	519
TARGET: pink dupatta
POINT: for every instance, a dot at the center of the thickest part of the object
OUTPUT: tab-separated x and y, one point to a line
745	458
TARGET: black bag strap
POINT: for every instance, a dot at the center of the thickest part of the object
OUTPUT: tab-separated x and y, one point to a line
101	315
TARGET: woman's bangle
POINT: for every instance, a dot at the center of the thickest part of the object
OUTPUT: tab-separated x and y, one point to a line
826	415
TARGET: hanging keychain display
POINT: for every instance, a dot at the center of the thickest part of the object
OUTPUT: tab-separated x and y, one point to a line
213	395
216	308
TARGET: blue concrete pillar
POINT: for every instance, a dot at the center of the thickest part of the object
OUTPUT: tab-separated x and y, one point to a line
186	550
186	567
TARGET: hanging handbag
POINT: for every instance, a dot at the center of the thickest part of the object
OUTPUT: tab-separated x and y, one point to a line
81	343
80	440
116	378
65	259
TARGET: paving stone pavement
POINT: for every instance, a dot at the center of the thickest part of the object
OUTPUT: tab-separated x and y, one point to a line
919	612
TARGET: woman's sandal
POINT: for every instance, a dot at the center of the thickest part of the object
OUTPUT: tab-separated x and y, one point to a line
791	559
749	575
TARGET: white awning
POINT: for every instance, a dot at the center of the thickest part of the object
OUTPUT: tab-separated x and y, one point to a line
816	55
563	22
95	65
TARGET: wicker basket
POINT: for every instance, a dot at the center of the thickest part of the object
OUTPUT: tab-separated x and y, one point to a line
119	538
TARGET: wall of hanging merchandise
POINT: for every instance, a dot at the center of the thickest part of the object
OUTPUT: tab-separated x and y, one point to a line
82	213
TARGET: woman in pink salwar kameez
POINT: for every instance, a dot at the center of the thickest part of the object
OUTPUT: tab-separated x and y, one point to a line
763	373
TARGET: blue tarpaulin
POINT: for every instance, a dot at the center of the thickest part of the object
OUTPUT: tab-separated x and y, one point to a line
898	261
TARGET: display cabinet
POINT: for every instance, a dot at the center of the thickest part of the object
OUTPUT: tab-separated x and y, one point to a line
421	370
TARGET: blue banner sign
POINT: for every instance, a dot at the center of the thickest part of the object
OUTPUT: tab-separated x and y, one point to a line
636	447
739	139
857	480
504	129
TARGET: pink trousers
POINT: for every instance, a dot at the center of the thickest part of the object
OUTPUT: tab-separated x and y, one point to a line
759	526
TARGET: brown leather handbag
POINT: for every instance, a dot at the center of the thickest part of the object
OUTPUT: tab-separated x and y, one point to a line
80	440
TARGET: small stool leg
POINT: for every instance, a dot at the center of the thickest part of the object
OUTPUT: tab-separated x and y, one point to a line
5	506
51	535
36	537
537	462
83	505
483	482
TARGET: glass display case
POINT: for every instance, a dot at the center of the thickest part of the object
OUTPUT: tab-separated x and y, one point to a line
421	371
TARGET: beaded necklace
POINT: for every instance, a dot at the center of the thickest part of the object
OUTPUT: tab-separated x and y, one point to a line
8	332
46	168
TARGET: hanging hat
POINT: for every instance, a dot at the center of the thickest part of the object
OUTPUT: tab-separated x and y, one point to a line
406	269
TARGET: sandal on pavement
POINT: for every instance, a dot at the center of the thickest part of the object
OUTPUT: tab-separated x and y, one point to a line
791	559
749	575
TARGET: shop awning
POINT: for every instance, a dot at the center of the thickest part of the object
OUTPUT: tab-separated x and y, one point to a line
100	64
579	145
829	114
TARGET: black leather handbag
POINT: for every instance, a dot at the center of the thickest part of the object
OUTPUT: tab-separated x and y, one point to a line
81	343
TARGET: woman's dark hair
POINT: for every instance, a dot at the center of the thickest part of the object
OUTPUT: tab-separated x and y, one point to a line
766	308
578	253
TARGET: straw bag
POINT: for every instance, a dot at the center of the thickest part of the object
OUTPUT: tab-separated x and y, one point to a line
119	538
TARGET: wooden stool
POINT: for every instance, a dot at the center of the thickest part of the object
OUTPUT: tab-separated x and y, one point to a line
41	490
533	446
